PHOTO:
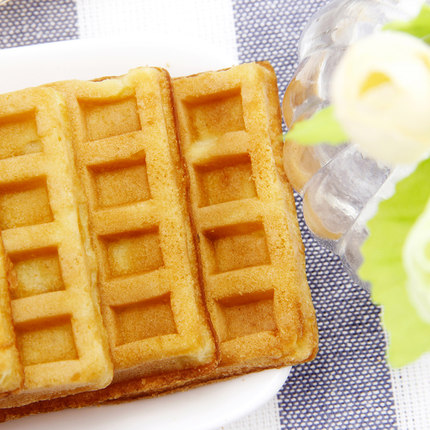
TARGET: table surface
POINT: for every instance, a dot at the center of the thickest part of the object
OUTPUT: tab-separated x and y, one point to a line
349	385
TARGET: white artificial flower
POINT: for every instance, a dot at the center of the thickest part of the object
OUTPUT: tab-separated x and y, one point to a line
381	96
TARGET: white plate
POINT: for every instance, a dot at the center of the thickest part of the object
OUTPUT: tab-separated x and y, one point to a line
92	58
201	408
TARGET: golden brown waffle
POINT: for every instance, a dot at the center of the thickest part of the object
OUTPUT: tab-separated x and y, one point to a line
240	204
243	211
52	340
11	370
127	158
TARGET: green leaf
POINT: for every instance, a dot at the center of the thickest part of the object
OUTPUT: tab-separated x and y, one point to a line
322	127
409	334
418	26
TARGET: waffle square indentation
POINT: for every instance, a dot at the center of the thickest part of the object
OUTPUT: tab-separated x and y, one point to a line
24	204
225	179
46	341
238	246
214	115
36	272
134	252
121	183
247	314
107	118
138	321
18	136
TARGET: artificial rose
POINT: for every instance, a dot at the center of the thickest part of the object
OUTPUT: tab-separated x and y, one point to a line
381	96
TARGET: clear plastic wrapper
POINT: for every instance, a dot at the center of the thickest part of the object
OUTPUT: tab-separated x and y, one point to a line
339	185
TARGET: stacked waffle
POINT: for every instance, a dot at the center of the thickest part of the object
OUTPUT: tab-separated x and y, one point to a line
148	238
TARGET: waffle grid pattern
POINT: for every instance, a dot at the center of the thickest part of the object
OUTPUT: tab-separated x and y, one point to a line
55	320
249	268
125	158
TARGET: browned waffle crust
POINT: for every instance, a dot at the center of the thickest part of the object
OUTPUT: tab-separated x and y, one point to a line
52	338
243	212
225	187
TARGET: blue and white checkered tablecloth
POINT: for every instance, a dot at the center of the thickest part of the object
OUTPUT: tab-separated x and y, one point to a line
349	385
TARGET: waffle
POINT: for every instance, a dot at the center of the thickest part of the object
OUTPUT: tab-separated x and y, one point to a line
127	158
52	340
243	211
11	370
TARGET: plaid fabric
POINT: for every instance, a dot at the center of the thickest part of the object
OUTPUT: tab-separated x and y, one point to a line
27	22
